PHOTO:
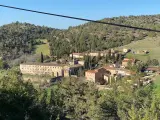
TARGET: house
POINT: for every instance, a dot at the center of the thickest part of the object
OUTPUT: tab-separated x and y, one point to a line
42	69
94	54
107	78
152	69
111	69
77	55
126	62
119	71
142	52
97	75
103	75
91	75
72	70
51	69
125	72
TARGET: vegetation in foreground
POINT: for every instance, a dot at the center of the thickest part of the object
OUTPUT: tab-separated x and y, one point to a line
75	100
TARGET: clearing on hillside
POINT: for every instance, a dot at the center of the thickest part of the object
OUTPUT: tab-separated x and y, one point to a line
152	45
44	48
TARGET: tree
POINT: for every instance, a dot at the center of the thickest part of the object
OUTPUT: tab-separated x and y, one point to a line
76	103
153	62
98	58
120	58
42	59
106	59
87	62
109	106
18	100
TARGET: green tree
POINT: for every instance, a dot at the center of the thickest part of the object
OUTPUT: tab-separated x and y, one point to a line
153	62
18	100
76	103
42	59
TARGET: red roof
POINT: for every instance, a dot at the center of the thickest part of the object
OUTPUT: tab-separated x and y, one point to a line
91	71
153	68
128	60
109	68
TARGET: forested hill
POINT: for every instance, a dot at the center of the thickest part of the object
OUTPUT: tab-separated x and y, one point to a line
19	38
92	36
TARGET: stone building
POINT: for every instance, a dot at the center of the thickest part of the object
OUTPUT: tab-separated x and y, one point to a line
119	71
77	55
127	61
74	70
92	54
105	74
91	75
42	69
49	69
97	76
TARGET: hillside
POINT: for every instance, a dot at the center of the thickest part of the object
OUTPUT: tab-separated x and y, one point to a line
44	47
92	36
19	38
152	45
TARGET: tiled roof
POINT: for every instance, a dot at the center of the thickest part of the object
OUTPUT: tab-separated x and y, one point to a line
153	68
119	69
109	68
127	60
91	71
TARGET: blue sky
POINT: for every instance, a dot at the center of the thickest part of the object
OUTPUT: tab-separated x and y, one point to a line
91	9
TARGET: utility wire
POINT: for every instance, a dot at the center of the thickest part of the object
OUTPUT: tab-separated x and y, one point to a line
82	19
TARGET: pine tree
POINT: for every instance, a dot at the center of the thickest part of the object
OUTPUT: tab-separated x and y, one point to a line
106	59
42	59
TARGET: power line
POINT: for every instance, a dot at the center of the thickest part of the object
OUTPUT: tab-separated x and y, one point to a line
82	19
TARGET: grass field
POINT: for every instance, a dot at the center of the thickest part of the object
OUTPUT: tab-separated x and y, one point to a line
157	85
157	80
44	48
150	44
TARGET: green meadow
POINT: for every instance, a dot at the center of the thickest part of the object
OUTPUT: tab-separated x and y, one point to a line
44	48
150	44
